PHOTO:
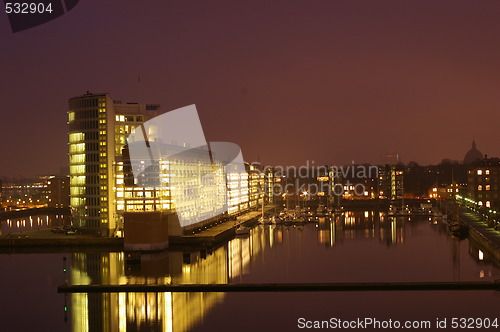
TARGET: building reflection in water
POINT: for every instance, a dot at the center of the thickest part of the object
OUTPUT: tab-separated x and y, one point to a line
160	311
226	264
356	225
482	257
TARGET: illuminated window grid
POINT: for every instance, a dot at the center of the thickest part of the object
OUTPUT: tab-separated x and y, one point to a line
199	204
237	192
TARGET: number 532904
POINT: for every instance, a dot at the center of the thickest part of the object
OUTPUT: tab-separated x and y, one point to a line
27	8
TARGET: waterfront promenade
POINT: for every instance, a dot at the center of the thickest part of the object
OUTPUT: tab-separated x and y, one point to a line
479	231
46	241
219	233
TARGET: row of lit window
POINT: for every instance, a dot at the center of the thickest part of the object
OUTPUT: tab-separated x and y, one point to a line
76	137
129	118
487	204
123	130
243	193
486	187
141	207
77	158
77	148
480	172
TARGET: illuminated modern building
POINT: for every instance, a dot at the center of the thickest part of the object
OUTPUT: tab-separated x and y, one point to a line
255	184
103	187
197	183
237	191
98	127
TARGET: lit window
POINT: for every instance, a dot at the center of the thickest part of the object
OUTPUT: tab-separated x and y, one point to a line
76	137
487	172
479	172
488	204
487	187
480	187
480	203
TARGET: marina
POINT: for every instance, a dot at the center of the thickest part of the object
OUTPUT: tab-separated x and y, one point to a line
359	252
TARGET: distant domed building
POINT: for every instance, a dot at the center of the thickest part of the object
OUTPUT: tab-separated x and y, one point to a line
473	154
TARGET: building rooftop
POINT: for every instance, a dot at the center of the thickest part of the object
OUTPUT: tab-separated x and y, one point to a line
473	154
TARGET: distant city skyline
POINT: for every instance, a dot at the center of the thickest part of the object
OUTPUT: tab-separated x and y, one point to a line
331	82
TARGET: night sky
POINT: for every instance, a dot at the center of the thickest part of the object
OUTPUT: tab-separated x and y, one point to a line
289	81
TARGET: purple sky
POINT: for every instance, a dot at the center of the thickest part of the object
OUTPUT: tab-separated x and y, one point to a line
329	81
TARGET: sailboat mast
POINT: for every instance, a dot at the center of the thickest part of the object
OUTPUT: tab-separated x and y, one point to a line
262	199
402	190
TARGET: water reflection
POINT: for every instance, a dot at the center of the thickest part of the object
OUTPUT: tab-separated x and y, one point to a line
145	311
254	258
15	225
347	226
160	311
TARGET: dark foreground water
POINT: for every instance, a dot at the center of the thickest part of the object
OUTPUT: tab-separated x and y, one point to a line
356	247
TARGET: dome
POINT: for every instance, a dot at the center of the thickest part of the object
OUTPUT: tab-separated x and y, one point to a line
473	154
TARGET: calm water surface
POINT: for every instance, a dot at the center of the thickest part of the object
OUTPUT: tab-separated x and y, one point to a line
362	246
15	225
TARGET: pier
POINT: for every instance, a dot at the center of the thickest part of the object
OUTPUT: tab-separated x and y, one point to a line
218	233
289	287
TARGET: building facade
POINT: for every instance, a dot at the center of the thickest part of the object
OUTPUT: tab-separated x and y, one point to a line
483	183
58	192
390	182
188	183
98	127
